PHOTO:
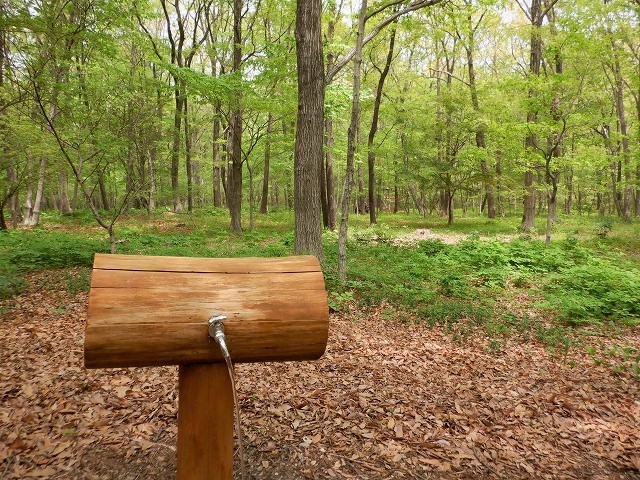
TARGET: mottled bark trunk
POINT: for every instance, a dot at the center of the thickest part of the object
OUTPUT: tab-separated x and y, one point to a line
569	200
481	141
267	159
175	148
217	176
624	138
63	192
529	202
13	200
352	135
329	217
187	152
28	204
535	59
235	175
308	154
331	197
37	204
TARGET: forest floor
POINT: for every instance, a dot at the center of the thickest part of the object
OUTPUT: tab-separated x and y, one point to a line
388	400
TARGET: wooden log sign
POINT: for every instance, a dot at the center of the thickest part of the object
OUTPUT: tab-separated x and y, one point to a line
146	310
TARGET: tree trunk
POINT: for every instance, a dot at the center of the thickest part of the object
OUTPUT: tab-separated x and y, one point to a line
251	194
535	59
569	201
187	152
175	149
552	201
371	154
151	202
13	201
103	192
63	190
529	202
624	138
267	159
331	198
352	135
217	194
413	190
480	135
28	204
329	188
235	175
37	204
308	153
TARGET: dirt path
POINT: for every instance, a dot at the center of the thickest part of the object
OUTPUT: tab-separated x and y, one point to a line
387	401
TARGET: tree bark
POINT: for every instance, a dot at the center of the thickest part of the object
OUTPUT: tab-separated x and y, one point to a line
331	197
187	152
267	159
371	154
352	135
308	153
175	149
235	175
481	141
569	201
623	130
535	58
329	190
217	195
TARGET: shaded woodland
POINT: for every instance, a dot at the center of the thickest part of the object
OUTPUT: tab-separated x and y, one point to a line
430	106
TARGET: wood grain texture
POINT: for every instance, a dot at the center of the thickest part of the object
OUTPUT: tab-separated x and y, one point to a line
205	423
302	263
146	317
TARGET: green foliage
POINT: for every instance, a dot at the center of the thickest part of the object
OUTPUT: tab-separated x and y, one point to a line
594	292
46	249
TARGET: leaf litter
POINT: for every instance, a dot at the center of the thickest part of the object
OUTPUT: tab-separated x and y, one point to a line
389	400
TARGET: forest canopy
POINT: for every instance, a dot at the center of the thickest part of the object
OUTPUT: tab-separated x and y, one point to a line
495	107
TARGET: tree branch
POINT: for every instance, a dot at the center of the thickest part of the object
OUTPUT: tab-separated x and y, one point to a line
416	5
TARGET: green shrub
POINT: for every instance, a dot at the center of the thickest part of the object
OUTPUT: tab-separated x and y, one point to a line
596	291
41	249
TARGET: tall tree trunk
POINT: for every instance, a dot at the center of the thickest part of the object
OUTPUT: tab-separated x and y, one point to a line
63	190
187	152
37	204
217	195
267	159
28	204
371	154
396	191
624	138
331	197
235	175
569	201
535	59
175	148
329	217
352	135
309	133
103	191
481	141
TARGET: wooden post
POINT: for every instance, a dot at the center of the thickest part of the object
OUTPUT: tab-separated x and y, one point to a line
205	423
146	311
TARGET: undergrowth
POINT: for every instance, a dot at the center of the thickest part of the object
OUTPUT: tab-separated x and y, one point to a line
587	278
